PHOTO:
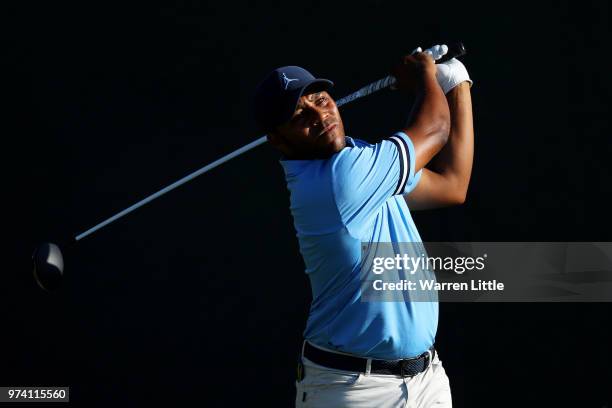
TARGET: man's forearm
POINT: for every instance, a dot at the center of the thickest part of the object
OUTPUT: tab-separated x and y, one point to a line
429	121
454	161
430	109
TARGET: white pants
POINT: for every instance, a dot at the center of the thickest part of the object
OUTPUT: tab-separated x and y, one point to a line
324	387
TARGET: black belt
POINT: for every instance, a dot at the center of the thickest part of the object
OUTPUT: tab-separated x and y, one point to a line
403	368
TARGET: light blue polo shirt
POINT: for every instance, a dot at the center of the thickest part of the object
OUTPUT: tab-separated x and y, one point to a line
353	197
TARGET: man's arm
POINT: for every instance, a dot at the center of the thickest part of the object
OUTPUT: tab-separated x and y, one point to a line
429	121
445	181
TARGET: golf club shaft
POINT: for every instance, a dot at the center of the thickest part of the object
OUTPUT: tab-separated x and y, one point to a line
455	50
172	186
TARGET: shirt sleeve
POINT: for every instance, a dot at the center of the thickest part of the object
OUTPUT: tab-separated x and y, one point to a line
366	175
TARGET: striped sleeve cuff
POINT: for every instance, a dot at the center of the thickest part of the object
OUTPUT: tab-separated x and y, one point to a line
407	180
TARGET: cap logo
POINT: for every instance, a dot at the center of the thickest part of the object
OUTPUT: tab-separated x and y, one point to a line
288	80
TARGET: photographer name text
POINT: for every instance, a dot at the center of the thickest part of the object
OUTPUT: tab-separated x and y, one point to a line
477	285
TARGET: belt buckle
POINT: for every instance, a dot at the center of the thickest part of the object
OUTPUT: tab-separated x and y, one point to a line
404	368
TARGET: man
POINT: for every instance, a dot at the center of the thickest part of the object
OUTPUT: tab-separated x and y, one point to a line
345	192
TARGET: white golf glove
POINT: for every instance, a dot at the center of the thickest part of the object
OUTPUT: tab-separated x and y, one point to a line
450	73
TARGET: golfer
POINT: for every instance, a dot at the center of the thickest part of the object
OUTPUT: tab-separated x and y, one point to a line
346	192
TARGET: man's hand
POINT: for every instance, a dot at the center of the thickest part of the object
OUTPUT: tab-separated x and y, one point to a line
410	72
451	73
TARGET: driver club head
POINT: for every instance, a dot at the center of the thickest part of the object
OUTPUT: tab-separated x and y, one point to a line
48	266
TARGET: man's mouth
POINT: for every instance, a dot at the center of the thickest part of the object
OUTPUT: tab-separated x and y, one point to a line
328	128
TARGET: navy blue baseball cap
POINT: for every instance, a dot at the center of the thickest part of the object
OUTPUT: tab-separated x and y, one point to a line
276	97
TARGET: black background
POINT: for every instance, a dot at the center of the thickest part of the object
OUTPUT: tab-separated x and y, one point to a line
200	297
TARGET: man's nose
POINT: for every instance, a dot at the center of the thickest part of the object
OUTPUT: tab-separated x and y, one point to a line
320	115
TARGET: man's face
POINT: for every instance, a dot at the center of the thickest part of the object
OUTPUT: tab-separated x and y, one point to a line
314	132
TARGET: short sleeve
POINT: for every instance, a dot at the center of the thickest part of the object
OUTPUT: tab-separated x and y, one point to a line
408	180
366	175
